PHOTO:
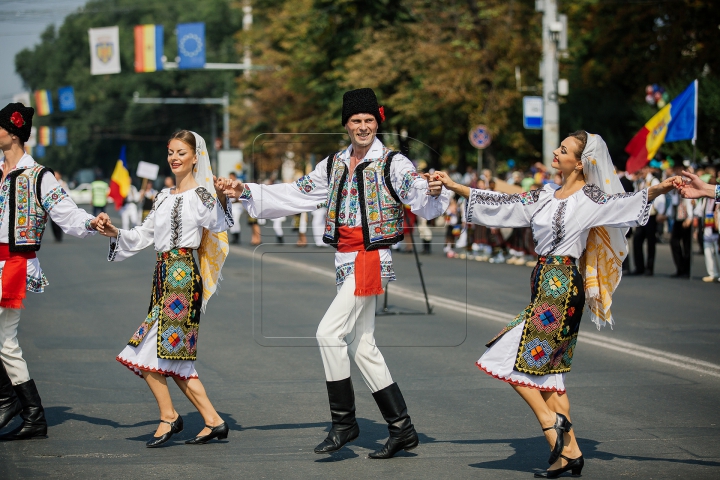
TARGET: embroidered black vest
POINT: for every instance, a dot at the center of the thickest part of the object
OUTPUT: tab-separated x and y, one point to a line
27	217
382	210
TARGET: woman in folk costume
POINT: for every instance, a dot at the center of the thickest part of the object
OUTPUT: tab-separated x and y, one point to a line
579	233
184	218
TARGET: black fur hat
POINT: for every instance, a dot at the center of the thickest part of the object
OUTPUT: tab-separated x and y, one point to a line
362	100
16	118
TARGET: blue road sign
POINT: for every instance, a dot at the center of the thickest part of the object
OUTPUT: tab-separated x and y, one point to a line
533	113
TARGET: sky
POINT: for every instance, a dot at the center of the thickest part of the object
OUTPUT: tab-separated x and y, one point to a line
21	23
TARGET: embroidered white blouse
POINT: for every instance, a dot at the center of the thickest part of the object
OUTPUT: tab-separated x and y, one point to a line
60	208
176	221
560	227
311	191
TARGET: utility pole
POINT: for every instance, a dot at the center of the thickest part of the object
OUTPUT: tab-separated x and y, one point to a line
551	29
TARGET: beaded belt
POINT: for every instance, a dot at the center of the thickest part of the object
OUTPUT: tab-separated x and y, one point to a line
556	260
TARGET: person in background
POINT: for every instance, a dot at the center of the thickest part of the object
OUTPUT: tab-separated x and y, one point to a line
629	186
706	217
318	226
681	235
237	210
100	190
647	232
129	210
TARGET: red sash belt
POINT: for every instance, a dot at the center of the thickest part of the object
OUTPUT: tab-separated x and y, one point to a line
368	280
14	276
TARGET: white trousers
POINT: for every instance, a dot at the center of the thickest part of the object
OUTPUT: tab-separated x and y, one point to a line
237	211
318	225
10	351
129	216
277	226
348	312
712	262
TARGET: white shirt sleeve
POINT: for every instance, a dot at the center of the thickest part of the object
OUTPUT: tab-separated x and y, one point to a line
62	210
212	215
503	210
130	242
412	190
274	201
600	209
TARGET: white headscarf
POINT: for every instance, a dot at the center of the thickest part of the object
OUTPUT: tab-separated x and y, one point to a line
214	247
601	265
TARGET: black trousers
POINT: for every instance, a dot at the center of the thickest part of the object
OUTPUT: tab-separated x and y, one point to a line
640	235
681	247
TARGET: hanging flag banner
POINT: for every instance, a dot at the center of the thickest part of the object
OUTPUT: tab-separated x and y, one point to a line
674	122
44	136
38	151
66	99
32	141
191	45
104	50
148	48
43	102
22	97
61	136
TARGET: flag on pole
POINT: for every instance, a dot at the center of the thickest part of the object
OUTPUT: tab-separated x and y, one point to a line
120	180
44	136
61	136
66	98
191	45
148	48
43	102
104	50
674	122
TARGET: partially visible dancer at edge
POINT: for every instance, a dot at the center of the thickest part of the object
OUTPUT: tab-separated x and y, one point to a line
365	187
184	218
586	213
29	193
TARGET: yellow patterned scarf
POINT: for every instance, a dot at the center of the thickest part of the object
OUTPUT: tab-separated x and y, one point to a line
601	265
214	247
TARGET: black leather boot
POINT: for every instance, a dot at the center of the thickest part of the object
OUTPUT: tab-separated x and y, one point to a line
342	409
34	424
402	433
9	403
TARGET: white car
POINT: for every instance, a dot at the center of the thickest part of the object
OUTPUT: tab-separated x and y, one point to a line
82	194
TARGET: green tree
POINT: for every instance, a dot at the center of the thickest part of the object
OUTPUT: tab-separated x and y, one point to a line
105	117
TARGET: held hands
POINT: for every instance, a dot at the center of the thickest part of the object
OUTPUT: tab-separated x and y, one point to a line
434	185
232	188
693	187
104	226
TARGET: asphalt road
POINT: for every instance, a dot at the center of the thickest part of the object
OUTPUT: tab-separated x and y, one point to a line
644	395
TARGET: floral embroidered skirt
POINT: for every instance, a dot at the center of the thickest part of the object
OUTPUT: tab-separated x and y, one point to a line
166	341
536	348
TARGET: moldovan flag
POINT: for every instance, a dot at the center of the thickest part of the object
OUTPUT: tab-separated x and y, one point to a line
43	102
148	48
120	180
104	50
675	121
44	138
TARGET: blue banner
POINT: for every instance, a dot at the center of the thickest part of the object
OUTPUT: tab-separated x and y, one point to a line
38	151
683	125
191	45
61	136
67	99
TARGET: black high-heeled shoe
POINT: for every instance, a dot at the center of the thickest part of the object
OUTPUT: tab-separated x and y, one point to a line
220	432
562	425
574	464
175	427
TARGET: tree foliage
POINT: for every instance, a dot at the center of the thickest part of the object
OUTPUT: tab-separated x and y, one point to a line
105	117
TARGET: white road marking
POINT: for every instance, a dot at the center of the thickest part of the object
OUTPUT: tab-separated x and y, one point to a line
590	338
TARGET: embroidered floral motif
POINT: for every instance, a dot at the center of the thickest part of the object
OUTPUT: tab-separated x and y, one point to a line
558	226
29	217
644	215
305	184
595	194
717	193
176	222
206	198
4	194
346	269
53	197
485	197
406	185
113	247
246	194
37	284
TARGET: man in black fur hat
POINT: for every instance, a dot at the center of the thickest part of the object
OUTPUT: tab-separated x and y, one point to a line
364	187
28	194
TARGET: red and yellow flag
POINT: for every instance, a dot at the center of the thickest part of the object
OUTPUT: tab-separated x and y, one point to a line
44	136
43	102
120	180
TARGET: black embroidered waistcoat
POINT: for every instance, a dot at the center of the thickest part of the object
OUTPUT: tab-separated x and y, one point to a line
382	210
27	216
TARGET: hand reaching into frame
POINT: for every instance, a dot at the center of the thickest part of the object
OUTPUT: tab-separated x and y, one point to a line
693	187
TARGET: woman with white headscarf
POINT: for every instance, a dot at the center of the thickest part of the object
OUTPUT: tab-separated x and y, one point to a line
579	233
194	215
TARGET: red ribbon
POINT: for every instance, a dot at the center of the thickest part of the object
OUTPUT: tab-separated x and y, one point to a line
368	279
14	276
